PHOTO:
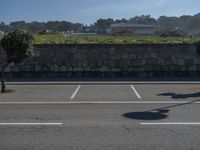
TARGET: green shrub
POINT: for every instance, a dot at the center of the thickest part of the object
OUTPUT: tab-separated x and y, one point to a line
18	46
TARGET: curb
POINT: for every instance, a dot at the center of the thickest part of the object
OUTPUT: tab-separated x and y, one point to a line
103	83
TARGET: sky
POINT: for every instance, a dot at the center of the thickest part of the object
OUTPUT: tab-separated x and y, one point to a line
88	11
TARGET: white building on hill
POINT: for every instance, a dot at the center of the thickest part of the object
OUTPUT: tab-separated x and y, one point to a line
135	29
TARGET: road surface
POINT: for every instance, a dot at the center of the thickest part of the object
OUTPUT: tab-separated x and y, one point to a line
108	117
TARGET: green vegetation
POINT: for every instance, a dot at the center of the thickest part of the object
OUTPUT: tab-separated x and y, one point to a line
58	39
18	46
1	36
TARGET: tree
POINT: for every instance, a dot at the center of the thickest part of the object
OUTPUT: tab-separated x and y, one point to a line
144	19
17	46
171	32
103	24
4	28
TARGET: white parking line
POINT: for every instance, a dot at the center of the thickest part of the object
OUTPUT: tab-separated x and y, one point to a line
75	92
172	123
30	124
135	91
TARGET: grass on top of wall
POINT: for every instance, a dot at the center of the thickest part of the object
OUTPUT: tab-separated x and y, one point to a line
58	39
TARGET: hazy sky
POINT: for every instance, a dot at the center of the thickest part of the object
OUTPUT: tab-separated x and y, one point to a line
88	11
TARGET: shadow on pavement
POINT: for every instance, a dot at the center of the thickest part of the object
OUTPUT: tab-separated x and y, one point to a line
181	96
147	115
154	114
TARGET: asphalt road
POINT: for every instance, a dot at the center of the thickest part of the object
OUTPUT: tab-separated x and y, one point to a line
101	92
138	117
100	126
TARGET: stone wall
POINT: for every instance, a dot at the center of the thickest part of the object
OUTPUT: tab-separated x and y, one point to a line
110	60
2	57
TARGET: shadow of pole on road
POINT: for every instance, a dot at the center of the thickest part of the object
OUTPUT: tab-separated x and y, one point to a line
154	114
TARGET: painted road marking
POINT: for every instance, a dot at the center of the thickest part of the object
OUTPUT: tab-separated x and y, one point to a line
75	92
135	91
99	102
30	124
172	123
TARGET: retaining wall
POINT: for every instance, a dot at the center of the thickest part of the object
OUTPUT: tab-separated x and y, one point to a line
110	60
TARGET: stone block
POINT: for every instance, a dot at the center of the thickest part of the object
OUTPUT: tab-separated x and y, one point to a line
104	68
115	69
15	69
124	56
105	56
139	69
112	51
79	56
165	68
143	62
136	63
54	68
146	55
192	68
26	68
152	61
84	63
153	55
184	68
74	63
62	69
181	61
197	61
37	68
189	62
116	57
8	69
132	56
161	61
99	62
174	68
111	63
60	62
78	69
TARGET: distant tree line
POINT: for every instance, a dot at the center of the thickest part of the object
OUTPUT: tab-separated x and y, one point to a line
36	27
186	24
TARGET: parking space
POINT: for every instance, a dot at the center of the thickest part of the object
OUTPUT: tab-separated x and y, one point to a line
102	93
106	93
169	92
38	93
